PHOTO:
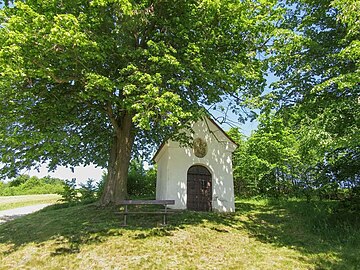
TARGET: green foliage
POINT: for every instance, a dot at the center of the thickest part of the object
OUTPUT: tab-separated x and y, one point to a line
69	194
21	179
26	185
245	178
318	65
268	162
276	161
87	193
71	71
141	182
351	204
101	184
308	139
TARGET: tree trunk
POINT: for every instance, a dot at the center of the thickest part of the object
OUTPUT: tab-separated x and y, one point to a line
115	188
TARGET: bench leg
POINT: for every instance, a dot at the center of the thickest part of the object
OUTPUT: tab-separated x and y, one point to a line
164	223
125	215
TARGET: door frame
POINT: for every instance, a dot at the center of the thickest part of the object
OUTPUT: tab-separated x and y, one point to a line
204	195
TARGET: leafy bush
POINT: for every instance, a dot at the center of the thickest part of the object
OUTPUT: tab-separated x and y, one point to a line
69	193
351	203
26	185
141	182
21	179
87	193
101	185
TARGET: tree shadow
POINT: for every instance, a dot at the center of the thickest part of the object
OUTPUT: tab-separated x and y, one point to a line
313	229
330	239
66	226
70	227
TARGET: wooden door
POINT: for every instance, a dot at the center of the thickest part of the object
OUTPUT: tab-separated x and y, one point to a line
199	189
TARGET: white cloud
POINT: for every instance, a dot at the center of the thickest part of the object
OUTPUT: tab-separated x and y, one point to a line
82	174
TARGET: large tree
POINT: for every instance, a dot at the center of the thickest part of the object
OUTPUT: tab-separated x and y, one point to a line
93	81
316	57
269	162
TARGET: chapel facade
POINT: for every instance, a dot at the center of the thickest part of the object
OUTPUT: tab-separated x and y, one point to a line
198	178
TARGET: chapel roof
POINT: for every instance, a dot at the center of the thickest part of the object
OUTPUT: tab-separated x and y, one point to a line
218	128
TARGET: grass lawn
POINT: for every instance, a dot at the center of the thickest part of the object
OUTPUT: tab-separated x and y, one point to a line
9	202
260	235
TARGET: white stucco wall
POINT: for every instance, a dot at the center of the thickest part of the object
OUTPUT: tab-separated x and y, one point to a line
174	162
162	174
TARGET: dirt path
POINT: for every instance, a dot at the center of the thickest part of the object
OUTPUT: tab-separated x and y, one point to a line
10	214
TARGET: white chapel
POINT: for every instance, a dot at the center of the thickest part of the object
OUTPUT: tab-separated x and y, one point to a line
198	178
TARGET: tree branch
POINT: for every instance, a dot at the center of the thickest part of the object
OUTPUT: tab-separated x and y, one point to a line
112	117
53	76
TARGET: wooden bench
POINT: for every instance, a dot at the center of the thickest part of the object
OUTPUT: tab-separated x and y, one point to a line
165	211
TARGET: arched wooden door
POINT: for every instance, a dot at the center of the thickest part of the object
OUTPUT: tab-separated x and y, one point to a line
199	189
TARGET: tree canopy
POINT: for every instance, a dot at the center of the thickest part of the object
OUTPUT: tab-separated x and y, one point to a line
309	125
317	60
92	81
320	78
95	81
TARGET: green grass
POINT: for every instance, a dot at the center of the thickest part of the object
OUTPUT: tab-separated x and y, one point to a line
9	202
260	235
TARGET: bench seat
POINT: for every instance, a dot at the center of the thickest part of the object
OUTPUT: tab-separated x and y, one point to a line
164	211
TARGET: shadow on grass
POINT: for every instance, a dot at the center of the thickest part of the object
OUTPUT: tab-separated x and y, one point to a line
70	227
328	239
331	239
67	226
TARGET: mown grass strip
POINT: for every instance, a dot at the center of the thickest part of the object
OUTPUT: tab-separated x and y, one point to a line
10	202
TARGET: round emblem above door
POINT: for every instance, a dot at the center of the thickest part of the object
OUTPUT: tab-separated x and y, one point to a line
200	147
